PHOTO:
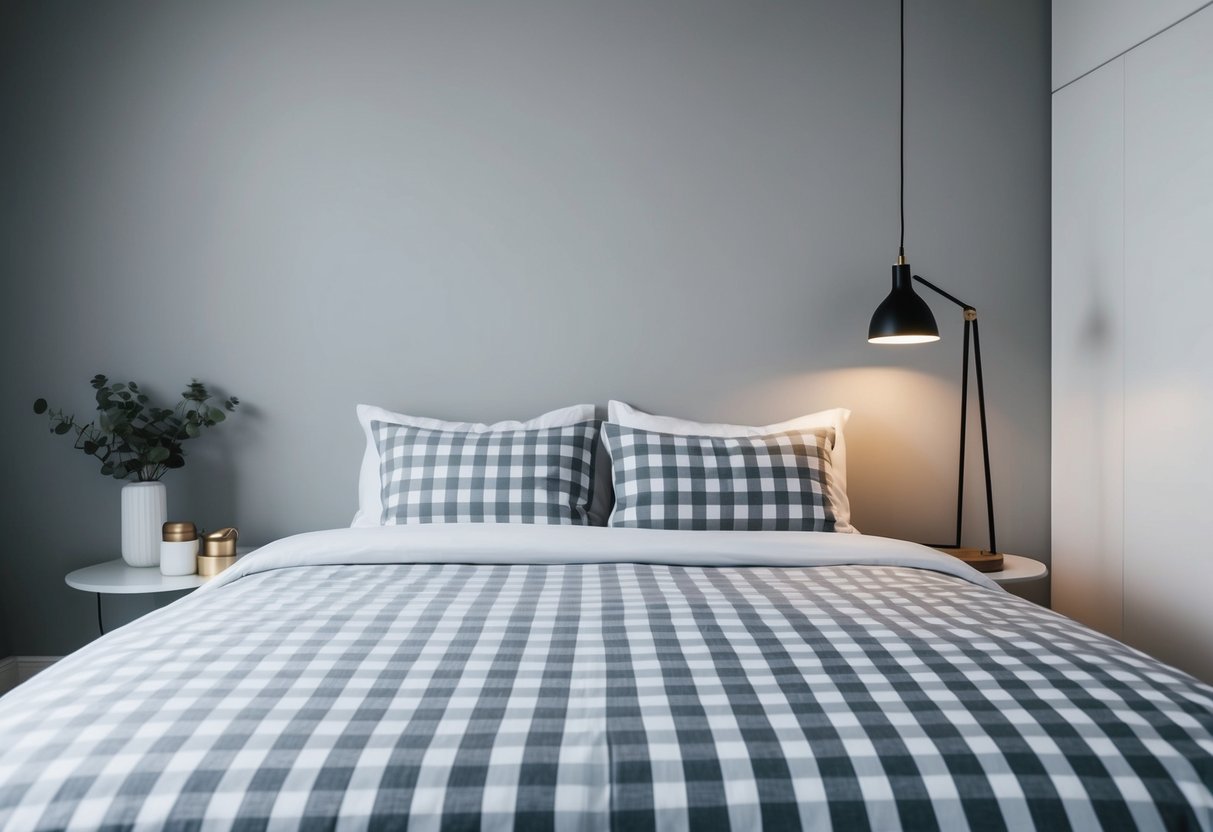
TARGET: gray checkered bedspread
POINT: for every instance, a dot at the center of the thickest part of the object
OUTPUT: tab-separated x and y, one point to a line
600	696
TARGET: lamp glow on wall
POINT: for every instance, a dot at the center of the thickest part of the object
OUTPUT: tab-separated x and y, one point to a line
905	318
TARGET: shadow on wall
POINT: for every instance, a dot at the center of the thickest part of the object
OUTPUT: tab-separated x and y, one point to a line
212	490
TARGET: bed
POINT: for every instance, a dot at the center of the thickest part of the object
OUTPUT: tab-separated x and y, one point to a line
567	677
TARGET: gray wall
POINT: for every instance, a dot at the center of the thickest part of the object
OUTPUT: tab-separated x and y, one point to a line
485	210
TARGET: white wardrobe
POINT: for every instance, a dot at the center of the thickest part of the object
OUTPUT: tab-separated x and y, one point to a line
1132	440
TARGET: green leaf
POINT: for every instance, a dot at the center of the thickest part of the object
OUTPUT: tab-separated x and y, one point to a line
134	437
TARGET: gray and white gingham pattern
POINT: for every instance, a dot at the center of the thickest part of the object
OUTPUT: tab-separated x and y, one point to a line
606	696
775	482
541	475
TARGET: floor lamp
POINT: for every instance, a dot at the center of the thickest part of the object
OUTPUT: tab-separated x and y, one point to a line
904	318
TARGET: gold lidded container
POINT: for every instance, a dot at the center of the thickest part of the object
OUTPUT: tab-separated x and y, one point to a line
178	548
218	551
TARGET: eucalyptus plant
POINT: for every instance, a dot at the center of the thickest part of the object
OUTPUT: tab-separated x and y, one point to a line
132	436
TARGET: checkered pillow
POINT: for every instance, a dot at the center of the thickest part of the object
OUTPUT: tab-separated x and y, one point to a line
779	481
543	475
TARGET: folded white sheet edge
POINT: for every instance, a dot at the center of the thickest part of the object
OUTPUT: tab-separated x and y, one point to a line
486	543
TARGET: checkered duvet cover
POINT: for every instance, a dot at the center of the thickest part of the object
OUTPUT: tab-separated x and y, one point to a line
380	691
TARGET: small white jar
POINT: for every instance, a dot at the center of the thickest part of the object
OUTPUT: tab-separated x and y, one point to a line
179	549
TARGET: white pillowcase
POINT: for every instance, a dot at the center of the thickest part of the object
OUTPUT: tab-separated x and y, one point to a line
624	414
370	500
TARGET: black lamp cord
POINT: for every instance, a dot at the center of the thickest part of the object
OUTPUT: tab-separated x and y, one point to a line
901	139
970	324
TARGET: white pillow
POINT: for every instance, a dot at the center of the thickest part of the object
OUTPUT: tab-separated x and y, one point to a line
624	414
370	501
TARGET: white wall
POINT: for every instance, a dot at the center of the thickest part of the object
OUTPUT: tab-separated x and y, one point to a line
1169	338
1088	33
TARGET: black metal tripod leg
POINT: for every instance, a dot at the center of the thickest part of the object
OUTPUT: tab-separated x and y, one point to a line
985	441
964	423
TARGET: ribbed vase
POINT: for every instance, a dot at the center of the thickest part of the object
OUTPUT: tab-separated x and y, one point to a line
144	510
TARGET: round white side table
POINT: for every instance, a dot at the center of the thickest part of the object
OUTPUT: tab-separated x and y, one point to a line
116	577
1016	569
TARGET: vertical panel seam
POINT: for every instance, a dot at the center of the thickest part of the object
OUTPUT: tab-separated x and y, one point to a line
1124	324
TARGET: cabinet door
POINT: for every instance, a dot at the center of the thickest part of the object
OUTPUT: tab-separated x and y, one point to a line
1169	345
1088	348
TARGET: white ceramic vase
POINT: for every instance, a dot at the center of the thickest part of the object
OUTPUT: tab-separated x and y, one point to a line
144	510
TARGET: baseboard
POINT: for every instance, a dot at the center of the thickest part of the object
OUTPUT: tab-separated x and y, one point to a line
17	669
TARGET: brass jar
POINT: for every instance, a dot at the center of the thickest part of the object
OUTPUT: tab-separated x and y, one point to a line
218	551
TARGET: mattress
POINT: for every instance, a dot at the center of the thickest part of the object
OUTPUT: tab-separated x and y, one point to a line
512	677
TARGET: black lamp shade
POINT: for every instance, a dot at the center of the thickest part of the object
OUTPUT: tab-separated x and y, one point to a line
902	317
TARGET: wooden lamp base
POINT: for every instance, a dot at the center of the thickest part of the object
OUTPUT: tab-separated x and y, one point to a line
980	559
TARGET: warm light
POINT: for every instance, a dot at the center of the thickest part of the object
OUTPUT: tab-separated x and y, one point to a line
903	339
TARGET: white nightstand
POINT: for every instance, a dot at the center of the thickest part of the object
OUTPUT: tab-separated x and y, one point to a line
1016	569
116	577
